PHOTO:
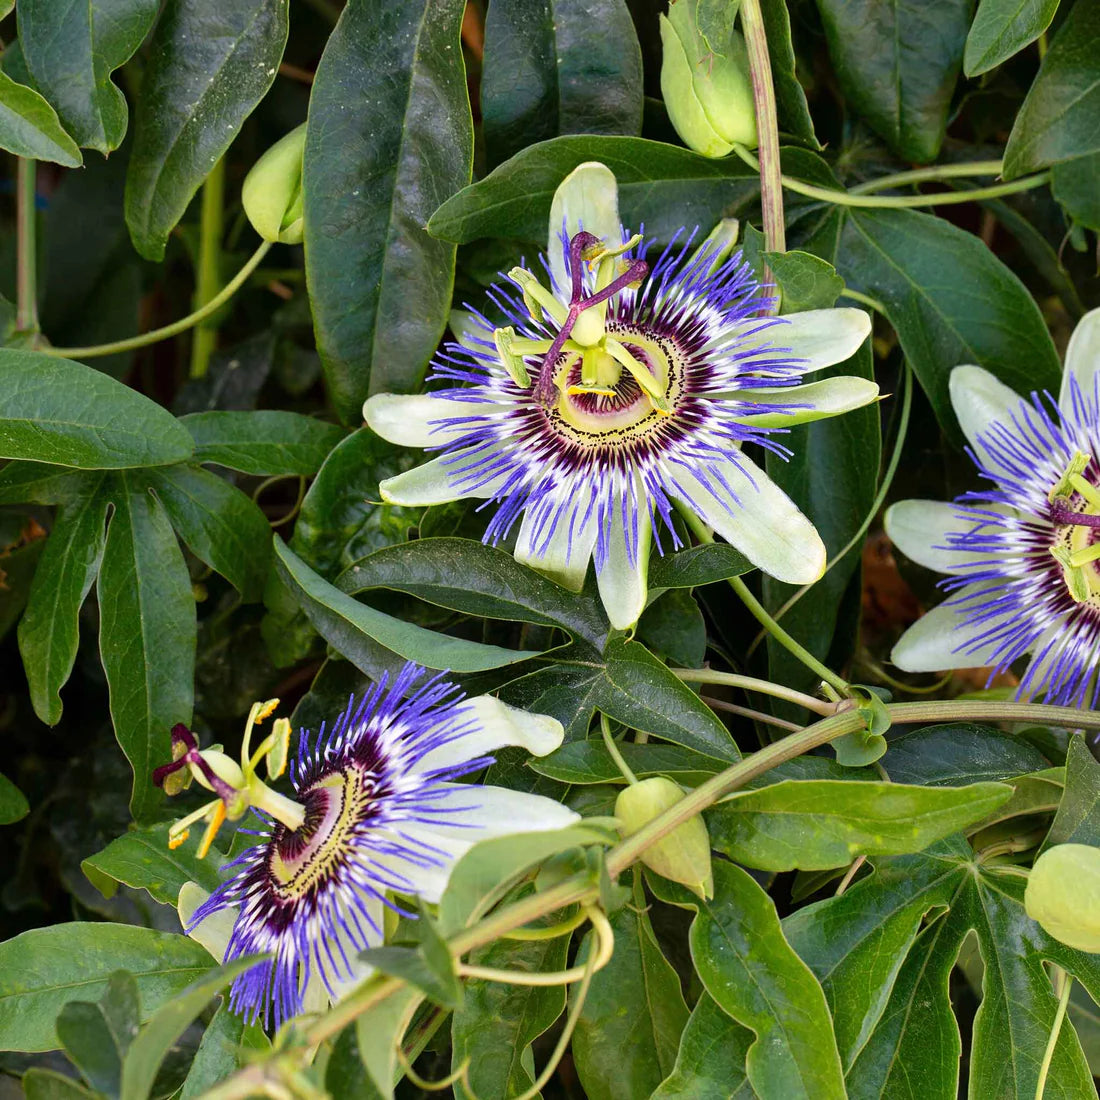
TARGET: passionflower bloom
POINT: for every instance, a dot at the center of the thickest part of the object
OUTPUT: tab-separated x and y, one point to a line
1021	554
623	391
377	813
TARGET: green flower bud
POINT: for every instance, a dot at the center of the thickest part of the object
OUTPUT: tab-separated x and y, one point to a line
272	191
683	855
708	96
1063	895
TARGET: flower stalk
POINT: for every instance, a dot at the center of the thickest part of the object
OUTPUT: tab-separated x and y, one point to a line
26	243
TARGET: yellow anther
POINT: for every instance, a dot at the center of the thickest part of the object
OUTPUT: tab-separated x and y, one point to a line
215	822
174	841
600	391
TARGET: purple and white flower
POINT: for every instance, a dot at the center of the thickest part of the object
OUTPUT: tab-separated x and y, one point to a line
1021	554
625	391
384	816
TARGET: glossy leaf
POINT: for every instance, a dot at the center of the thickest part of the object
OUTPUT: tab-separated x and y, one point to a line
959	753
496	1023
48	633
1002	28
168	1023
1072	182
13	804
68	414
226	1044
221	525
588	762
697	565
45	1084
950	300
40	969
475	579
142	859
897	64
664	186
750	970
209	65
1078	818
354	629
814	825
546	73
805	282
97	1036
266	442
629	1029
790	98
29	126
146	634
377	1034
389	138
1057	119
71	49
710	1064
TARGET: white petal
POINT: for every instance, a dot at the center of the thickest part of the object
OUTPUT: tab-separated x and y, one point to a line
1082	358
421	420
441	481
830	397
821	337
557	537
754	515
919	529
499	811
623	583
214	932
980	400
588	198
497	725
940	640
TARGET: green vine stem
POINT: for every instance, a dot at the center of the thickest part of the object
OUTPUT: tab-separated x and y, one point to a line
26	246
253	1079
767	128
613	751
942	198
174	329
1063	984
208	270
752	683
933	172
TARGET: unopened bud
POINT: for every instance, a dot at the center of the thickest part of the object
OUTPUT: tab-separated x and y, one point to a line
1063	895
708	96
684	854
272	191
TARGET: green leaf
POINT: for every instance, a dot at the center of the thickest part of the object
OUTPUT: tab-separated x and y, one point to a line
816	824
546	73
751	971
476	579
142	859
497	1023
410	965
389	137
897	65
225	1046
483	875
710	1064
97	1036
664	186
697	565
68	414
377	1034
880	917
790	99
1078	818
41	969
805	281
959	753
356	630
267	442
950	300
13	804
628	1031
833	477
672	628
642	693
1072	182
588	762
221	525
38	483
1002	28
148	1050
209	65
44	1084
146	634
1057	119
71	49
29	126
48	633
